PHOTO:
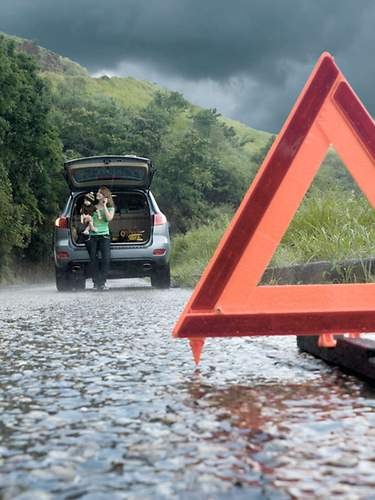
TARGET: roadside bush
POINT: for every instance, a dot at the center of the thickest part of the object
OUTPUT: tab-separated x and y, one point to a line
192	251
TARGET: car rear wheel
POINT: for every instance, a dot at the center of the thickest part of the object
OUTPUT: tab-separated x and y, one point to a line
63	283
161	277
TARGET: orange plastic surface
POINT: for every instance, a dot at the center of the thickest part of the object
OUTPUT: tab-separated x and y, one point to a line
327	340
227	300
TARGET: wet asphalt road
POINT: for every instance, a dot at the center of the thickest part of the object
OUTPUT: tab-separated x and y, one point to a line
98	402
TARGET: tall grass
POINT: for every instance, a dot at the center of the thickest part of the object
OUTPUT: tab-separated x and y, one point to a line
192	251
333	226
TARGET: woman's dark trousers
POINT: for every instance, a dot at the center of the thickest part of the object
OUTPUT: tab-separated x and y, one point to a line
99	267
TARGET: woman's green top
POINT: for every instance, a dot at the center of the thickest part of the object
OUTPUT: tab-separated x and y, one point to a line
100	222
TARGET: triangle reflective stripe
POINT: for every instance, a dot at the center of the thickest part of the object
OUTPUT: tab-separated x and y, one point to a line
357	116
227	300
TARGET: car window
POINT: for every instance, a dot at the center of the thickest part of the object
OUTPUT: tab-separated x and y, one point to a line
101	173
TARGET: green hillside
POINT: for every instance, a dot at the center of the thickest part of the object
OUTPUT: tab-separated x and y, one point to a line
127	92
103	115
134	94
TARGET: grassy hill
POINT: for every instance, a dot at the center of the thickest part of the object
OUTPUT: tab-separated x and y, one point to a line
128	92
133	96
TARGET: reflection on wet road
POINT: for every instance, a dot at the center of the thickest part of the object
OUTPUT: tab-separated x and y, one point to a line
97	401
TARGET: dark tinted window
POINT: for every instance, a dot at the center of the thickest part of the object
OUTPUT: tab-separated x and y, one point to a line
111	172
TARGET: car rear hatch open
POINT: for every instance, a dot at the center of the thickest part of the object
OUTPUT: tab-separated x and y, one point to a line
111	171
132	222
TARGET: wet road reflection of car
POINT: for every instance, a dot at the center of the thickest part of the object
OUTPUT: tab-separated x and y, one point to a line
98	401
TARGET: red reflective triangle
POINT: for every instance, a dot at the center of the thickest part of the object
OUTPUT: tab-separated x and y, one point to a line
227	301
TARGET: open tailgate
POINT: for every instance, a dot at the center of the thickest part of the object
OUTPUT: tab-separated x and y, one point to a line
111	171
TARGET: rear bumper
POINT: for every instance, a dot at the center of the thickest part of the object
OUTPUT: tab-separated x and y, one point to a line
118	269
126	261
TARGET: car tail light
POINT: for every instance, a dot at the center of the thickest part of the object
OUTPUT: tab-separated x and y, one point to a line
159	219
62	222
159	251
62	255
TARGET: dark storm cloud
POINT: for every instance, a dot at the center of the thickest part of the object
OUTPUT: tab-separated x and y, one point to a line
256	41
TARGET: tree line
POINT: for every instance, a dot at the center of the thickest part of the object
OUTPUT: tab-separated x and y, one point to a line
31	154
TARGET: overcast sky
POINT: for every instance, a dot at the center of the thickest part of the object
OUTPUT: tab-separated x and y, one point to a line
247	58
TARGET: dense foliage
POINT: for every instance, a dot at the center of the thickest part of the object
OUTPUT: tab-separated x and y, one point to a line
30	157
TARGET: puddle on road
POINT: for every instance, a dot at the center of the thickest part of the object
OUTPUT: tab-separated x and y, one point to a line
97	401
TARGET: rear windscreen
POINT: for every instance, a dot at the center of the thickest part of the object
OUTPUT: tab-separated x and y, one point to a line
126	173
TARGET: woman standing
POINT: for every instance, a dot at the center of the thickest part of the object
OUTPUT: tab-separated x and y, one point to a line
100	240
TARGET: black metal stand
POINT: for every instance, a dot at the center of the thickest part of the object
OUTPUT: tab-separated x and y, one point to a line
354	355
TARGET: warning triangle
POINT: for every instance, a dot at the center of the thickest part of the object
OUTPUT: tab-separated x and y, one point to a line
227	301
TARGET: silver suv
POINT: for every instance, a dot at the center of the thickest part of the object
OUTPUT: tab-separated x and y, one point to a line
140	242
